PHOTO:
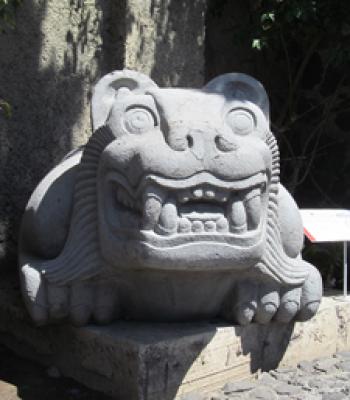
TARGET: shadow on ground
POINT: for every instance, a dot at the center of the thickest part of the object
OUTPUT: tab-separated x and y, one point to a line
23	379
266	344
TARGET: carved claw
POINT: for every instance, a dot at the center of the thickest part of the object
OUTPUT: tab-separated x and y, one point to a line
311	295
79	302
261	303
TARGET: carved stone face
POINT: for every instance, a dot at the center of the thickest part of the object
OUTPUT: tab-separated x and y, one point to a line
185	182
173	211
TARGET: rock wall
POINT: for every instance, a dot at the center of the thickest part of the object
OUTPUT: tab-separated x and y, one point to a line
165	39
48	65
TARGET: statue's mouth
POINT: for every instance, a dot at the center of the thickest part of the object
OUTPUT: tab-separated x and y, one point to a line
201	205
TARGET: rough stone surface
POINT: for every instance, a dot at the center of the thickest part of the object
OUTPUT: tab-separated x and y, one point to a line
326	365
326	383
262	393
176	189
48	64
23	379
134	360
165	39
241	386
306	366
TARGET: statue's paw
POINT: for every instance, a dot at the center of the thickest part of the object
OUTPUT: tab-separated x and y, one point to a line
300	303
94	301
311	295
79	302
34	294
262	302
106	303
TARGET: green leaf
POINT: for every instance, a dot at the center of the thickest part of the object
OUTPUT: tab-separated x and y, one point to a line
267	20
256	44
270	16
5	108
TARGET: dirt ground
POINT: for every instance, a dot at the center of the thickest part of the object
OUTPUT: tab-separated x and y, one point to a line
23	379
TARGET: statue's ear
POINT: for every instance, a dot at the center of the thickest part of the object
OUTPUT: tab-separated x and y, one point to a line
106	89
241	87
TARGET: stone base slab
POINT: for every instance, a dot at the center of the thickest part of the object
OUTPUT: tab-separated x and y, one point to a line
139	361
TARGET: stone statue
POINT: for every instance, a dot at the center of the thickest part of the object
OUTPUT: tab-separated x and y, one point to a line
173	211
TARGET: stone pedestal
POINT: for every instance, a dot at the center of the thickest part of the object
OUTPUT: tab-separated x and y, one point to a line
136	361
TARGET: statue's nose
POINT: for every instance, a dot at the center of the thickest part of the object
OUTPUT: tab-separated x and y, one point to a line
202	141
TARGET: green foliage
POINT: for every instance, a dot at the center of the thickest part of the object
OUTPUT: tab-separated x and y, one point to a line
5	108
7	14
307	42
303	22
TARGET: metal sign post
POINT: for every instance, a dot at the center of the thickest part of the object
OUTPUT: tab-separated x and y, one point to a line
345	270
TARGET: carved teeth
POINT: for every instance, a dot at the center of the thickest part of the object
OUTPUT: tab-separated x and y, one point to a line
253	193
199	209
153	200
253	209
167	224
184	225
237	215
253	206
197	226
151	211
198	193
202	192
198	215
209	194
222	225
209	226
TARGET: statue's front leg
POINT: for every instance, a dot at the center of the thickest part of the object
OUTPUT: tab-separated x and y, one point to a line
265	297
79	302
261	302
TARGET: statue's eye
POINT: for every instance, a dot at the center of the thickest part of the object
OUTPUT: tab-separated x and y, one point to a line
241	121
139	119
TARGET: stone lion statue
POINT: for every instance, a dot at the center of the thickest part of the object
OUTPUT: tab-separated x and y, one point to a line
173	211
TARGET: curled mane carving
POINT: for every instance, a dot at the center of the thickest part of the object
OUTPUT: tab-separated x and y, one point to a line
275	261
80	257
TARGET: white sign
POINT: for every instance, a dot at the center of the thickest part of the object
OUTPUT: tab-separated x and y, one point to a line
329	225
326	225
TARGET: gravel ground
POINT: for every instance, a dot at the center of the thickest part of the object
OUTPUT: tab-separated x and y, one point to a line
323	379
